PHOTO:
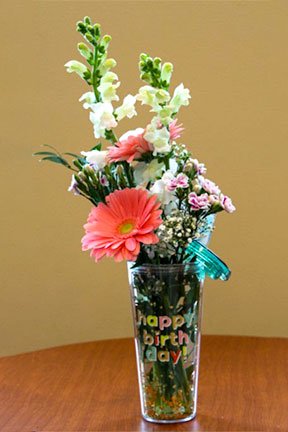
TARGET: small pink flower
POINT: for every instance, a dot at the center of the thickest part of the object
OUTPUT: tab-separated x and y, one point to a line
214	199
172	184
198	202
199	167
210	187
227	204
130	146
175	130
181	181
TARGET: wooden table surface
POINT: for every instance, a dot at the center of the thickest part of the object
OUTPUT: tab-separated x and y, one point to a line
88	387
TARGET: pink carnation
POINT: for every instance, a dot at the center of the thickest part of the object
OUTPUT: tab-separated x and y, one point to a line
227	204
130	146
210	187
181	181
198	202
116	229
175	130
199	167
214	199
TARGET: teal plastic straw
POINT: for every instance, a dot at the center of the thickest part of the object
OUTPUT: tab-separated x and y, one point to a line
214	267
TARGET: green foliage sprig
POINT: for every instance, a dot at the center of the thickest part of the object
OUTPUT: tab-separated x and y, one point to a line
57	157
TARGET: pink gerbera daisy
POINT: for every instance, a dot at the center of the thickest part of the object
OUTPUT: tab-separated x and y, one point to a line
117	228
130	146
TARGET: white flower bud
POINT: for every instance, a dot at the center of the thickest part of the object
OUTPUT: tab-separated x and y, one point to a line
166	72
77	67
106	65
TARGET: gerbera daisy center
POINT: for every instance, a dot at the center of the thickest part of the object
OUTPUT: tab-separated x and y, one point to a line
126	227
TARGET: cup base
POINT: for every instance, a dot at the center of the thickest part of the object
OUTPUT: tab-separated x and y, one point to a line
181	420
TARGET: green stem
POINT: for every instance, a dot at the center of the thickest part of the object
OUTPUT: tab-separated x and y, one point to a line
90	199
94	74
128	174
112	137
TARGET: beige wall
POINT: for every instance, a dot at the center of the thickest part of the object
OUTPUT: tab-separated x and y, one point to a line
233	56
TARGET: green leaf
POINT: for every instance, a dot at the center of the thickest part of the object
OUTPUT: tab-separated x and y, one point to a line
189	371
56	159
53	148
43	153
73	155
97	147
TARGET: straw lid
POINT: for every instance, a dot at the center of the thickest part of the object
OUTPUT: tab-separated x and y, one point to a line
214	267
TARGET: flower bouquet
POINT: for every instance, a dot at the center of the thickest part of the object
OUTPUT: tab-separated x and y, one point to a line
154	208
